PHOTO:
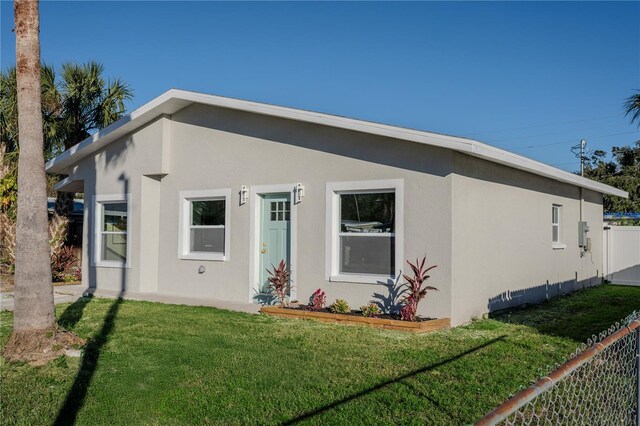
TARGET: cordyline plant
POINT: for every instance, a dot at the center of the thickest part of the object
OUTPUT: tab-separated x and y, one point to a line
62	264
416	289
279	282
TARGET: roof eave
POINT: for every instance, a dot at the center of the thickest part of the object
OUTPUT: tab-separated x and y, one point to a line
174	100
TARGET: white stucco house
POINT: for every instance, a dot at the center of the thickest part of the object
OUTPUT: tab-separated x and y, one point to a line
196	195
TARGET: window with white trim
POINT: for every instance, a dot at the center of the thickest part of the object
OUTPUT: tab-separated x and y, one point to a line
556	214
365	240
367	234
204	231
112	231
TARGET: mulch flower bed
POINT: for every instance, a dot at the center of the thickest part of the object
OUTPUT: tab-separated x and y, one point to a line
392	322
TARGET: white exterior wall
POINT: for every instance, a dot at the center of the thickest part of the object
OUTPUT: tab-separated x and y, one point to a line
486	226
622	254
216	149
502	242
212	148
118	169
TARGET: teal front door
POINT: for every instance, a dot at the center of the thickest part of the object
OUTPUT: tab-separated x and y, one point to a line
275	235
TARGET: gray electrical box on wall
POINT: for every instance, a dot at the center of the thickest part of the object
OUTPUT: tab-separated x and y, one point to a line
583	228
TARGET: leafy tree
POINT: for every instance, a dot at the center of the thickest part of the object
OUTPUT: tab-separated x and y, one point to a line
9	110
622	172
87	103
74	106
9	145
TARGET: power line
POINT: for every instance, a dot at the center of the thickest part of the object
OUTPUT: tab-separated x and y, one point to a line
548	124
539	135
573	140
562	164
578	151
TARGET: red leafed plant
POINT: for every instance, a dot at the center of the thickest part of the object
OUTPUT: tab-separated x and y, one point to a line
62	262
279	282
318	300
416	289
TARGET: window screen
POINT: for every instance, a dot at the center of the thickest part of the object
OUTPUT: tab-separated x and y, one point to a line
367	239
206	233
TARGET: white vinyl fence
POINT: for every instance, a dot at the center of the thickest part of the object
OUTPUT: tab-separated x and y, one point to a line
622	254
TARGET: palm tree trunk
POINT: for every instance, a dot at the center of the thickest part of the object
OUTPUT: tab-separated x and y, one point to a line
34	308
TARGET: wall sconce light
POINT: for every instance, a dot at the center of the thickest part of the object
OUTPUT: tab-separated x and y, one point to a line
298	193
244	193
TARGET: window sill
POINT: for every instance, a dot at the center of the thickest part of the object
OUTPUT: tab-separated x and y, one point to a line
363	279
218	257
110	264
558	246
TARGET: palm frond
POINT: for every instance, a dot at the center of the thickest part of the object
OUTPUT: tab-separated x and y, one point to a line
632	107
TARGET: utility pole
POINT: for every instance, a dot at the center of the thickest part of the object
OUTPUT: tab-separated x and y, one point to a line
580	154
583	143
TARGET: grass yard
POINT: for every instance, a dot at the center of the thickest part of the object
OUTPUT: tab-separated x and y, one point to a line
154	364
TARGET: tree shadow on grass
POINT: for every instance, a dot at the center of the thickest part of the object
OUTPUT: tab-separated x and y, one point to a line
318	411
73	313
78	392
577	316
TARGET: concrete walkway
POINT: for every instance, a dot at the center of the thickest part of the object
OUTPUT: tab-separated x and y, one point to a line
71	293
6	299
76	291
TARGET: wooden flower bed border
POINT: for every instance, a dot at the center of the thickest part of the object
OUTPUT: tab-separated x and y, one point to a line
389	324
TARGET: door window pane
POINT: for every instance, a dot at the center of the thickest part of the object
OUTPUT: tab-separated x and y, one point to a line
280	211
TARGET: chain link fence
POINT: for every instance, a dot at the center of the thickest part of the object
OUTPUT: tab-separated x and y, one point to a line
599	385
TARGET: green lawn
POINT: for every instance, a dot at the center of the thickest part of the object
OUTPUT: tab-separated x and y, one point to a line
150	363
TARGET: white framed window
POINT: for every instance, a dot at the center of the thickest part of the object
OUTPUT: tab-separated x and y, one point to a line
364	231
556	227
204	225
112	228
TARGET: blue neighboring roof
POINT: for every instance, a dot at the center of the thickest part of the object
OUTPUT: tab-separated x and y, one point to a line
622	215
78	206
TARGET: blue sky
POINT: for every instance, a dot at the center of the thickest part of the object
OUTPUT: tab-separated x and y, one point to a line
516	75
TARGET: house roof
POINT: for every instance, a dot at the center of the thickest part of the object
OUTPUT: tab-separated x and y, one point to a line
621	215
78	206
174	100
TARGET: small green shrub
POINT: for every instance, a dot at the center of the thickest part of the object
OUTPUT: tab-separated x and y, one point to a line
371	310
340	306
